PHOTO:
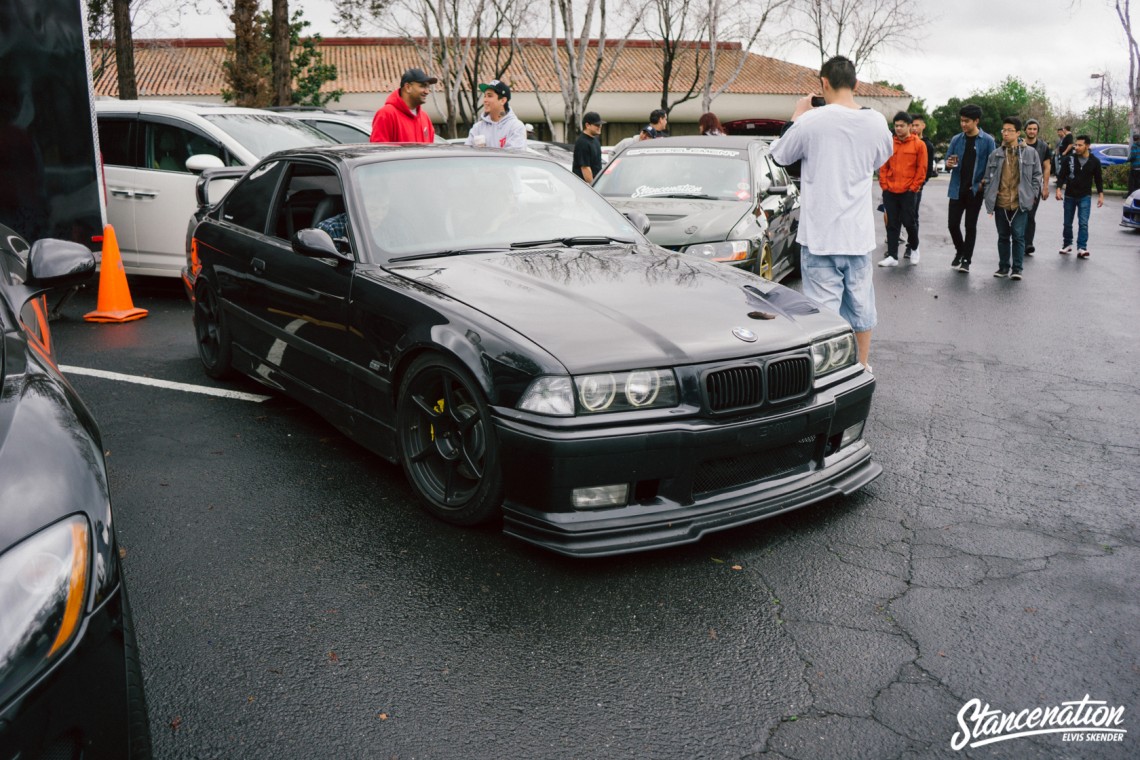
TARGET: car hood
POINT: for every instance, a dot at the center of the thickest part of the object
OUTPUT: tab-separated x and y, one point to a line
676	222
631	307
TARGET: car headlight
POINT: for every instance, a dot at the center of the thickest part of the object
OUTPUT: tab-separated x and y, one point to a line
602	392
833	354
727	250
43	589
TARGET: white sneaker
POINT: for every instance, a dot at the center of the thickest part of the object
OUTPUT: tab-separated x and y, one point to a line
889	261
1066	249
914	256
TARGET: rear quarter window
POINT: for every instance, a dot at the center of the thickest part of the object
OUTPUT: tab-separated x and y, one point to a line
248	204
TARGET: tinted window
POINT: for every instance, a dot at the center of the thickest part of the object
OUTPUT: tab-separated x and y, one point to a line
117	141
168	147
342	132
262	134
716	173
248	203
311	197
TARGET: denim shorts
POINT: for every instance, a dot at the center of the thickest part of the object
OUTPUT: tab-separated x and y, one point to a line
842	284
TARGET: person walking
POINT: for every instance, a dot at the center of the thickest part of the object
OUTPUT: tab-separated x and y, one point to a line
498	127
1077	178
917	128
1134	165
1064	153
840	145
1032	129
587	150
1012	187
901	178
966	159
402	118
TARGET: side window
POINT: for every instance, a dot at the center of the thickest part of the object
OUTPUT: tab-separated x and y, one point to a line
168	147
247	205
342	133
779	176
312	197
117	141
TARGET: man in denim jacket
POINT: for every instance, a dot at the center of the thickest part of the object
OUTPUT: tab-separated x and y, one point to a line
966	159
1012	184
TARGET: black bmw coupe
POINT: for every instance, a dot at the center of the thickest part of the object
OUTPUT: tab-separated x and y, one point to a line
491	323
70	683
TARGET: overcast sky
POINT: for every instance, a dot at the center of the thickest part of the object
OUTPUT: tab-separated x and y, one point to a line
968	45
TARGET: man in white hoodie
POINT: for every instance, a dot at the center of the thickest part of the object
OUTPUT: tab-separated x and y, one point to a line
499	127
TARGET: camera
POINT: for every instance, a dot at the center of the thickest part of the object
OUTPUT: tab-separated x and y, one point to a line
817	101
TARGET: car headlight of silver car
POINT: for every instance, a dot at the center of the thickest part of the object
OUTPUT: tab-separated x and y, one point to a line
833	354
43	591
601	392
726	250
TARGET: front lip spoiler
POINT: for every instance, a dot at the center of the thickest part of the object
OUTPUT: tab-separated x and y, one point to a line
688	525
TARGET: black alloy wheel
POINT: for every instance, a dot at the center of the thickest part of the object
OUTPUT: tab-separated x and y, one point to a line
447	442
214	346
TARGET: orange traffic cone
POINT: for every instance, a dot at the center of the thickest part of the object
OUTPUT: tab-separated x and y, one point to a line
115	303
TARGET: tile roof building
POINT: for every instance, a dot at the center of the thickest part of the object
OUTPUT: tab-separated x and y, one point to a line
370	68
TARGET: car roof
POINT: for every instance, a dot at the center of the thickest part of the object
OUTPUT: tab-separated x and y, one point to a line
171	107
368	153
734	142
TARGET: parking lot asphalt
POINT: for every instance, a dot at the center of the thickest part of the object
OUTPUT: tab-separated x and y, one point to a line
293	602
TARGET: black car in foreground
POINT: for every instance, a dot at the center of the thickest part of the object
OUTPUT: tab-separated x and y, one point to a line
719	198
517	345
70	684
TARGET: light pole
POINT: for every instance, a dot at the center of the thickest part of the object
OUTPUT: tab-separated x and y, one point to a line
1100	107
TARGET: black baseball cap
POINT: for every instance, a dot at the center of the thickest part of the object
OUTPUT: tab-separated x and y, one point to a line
649	130
592	117
499	88
417	75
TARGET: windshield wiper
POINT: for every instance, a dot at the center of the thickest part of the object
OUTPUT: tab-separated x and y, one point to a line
572	241
695	196
442	254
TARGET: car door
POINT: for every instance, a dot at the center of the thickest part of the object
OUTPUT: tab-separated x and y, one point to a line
164	197
121	151
777	208
300	303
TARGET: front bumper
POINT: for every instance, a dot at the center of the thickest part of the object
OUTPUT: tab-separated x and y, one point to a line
686	478
1131	215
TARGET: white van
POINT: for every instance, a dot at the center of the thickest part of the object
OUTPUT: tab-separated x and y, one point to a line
152	152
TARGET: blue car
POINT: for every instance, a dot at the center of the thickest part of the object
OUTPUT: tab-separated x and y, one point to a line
1110	153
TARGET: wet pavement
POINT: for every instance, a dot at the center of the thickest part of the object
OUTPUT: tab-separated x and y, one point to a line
293	602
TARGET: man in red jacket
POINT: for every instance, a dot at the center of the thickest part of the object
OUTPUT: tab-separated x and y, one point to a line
402	118
901	178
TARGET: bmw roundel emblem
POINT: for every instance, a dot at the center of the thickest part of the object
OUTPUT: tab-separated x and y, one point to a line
744	334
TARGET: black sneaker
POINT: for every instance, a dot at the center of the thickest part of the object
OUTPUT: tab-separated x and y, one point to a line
1029	250
1015	275
964	267
957	260
1001	272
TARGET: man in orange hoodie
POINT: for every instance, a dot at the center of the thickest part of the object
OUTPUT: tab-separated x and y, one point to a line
402	118
901	178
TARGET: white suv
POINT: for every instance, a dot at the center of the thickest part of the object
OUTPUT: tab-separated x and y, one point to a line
152	152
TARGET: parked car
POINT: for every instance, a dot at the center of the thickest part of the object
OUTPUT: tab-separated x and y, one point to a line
1110	153
70	684
721	198
560	153
523	351
347	126
1130	217
755	127
151	153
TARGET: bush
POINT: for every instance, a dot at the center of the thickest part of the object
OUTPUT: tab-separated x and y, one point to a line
1116	177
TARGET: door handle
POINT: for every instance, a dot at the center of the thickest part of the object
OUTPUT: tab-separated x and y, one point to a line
258	266
124	192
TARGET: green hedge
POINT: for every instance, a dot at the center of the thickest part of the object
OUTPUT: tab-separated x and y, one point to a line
1116	177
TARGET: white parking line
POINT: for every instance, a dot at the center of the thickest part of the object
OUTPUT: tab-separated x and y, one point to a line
219	392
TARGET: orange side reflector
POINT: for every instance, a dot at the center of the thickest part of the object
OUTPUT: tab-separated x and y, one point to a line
76	589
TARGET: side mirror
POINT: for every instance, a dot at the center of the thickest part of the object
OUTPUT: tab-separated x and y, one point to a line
639	220
200	162
777	190
56	263
317	244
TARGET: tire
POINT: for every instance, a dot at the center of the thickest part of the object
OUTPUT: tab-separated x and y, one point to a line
138	722
447	442
214	346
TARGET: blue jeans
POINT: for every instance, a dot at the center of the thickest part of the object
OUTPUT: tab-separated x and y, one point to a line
842	284
1081	206
1011	225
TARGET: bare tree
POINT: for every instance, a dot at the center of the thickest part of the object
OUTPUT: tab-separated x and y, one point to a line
743	21
673	24
282	64
857	29
1124	13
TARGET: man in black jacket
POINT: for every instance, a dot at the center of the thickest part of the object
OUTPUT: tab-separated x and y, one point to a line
917	127
1077	177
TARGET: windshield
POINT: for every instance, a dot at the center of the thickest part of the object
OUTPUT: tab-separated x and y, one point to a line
420	206
262	134
714	173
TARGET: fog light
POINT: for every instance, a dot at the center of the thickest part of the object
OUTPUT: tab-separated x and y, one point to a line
851	434
600	497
